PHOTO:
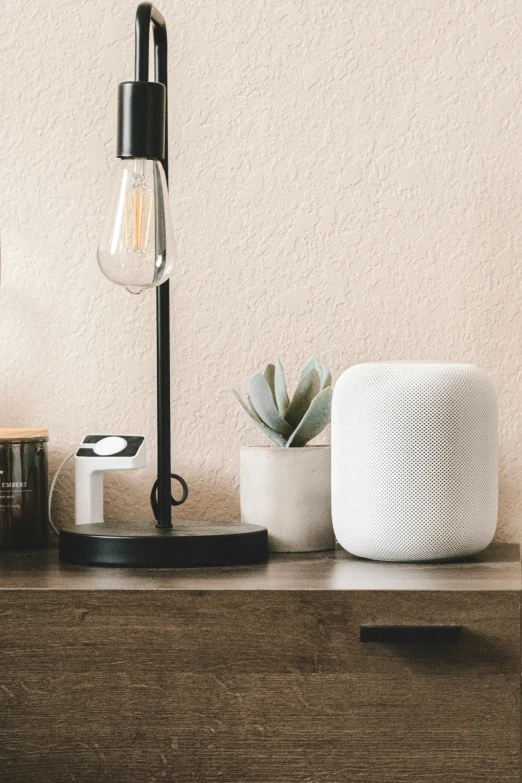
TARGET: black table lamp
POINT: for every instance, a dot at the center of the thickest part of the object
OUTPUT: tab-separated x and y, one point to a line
137	250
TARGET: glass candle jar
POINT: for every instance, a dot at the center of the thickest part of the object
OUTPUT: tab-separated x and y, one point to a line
23	488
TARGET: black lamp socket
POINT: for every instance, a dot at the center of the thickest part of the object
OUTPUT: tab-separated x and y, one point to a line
141	120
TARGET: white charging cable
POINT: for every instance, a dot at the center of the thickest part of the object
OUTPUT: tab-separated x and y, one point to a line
53	483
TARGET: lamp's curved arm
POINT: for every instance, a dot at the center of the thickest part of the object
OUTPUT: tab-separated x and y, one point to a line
145	15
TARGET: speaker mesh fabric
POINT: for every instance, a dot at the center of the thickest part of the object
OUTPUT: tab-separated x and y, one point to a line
414	460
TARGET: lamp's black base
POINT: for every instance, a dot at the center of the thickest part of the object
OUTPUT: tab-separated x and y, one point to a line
144	546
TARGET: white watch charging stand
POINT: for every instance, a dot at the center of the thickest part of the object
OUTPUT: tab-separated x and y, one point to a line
95	455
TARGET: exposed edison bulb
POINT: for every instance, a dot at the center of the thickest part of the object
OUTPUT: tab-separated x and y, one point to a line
137	248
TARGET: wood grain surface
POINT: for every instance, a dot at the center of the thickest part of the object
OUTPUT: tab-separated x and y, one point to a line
259	686
497	568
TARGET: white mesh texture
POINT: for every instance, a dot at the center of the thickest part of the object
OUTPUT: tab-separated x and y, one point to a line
414	460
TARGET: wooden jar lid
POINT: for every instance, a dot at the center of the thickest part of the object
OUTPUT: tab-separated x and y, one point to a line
22	433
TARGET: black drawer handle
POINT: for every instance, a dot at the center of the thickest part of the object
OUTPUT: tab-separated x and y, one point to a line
411	634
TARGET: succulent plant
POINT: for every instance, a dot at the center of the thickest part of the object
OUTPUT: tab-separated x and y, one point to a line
289	422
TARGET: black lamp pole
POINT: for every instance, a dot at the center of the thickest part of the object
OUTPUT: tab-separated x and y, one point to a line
146	14
142	133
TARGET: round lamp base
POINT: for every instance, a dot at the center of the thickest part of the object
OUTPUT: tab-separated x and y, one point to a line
186	545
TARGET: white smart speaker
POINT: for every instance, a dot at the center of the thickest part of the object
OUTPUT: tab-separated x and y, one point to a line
414	460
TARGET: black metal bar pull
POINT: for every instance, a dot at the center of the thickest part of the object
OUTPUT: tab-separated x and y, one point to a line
411	634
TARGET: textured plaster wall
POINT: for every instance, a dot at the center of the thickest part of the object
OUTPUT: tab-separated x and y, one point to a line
345	180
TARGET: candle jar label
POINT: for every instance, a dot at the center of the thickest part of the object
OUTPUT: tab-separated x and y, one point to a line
23	494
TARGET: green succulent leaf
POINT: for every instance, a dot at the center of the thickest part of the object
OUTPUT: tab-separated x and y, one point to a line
312	364
281	393
308	387
314	421
264	405
326	377
269	374
275	437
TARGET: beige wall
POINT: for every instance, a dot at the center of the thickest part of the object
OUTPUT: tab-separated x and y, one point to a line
345	181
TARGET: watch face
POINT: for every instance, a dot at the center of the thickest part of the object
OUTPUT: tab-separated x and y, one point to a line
110	446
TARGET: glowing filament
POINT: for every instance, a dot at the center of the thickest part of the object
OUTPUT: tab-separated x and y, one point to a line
135	225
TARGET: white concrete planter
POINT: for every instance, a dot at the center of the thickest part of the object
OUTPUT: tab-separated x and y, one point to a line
288	492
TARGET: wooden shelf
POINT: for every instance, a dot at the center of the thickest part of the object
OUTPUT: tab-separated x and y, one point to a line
258	674
497	568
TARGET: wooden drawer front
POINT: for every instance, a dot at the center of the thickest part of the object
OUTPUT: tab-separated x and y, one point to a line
256	686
